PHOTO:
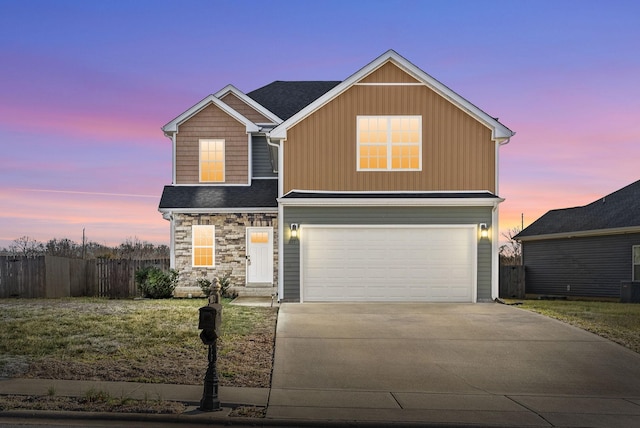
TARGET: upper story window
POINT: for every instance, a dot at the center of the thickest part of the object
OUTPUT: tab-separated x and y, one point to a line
203	245
389	143
212	160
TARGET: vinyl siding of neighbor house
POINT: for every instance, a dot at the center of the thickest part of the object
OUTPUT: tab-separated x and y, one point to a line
457	150
383	215
260	158
583	266
212	122
244	109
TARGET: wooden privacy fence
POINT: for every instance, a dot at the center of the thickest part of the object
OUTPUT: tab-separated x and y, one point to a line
116	278
512	282
50	276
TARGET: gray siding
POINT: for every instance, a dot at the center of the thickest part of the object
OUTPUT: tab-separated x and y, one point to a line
260	158
382	215
585	266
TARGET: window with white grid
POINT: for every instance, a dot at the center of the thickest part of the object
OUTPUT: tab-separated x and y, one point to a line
389	143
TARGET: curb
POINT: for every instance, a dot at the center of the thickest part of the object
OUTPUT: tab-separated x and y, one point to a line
196	417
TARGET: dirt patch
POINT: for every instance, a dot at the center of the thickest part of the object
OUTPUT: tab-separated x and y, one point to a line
89	404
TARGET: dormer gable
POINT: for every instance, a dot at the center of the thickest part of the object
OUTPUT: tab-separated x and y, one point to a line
247	106
172	126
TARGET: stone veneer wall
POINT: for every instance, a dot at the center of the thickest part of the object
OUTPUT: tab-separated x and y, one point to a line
230	243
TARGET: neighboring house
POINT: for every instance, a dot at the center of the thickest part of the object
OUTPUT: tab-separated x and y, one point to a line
381	187
585	251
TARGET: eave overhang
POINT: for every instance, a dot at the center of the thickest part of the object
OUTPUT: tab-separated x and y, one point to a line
217	210
580	234
399	199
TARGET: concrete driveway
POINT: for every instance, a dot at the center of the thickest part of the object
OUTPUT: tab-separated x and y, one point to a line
484	363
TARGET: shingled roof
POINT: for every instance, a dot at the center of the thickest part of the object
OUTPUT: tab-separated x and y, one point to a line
285	99
620	209
261	194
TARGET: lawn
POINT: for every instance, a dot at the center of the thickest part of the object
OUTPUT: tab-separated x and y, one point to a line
618	322
132	340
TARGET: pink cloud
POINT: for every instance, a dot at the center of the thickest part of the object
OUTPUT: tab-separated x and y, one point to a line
107	218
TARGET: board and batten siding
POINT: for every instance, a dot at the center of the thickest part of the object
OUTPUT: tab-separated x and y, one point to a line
389	72
211	122
377	216
583	266
260	157
457	150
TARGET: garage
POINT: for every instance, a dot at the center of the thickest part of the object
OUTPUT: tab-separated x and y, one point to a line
388	263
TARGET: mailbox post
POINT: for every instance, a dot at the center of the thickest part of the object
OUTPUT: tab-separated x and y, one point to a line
210	322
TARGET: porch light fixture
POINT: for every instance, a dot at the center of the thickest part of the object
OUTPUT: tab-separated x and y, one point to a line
294	230
484	230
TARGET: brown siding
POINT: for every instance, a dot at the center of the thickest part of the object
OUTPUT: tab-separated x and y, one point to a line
212	122
388	73
457	151
244	109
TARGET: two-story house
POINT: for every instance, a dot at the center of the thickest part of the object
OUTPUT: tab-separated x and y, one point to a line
381	187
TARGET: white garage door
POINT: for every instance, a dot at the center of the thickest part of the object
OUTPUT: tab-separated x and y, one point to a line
388	263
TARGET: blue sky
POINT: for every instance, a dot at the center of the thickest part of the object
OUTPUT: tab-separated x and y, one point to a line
86	85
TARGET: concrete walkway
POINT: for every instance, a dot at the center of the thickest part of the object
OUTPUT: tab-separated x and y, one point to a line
486	364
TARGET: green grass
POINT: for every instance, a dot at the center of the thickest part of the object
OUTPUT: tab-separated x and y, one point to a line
618	322
142	340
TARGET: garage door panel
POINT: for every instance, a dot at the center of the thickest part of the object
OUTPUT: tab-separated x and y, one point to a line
388	263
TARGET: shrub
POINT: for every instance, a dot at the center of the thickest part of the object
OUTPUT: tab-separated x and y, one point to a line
225	284
205	285
155	283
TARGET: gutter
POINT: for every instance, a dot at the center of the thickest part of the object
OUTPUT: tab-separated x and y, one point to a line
505	142
580	234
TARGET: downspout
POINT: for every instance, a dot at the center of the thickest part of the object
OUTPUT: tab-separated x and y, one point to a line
495	259
169	215
495	222
500	144
280	221
172	247
250	156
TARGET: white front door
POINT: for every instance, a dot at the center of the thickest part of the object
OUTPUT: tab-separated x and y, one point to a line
259	255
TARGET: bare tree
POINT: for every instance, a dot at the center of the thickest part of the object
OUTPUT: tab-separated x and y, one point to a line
63	248
131	248
511	252
26	246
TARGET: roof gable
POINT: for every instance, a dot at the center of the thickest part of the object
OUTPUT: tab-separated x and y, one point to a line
172	127
389	73
618	210
230	89
499	131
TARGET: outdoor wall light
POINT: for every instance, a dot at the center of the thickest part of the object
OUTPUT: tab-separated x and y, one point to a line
484	230
294	230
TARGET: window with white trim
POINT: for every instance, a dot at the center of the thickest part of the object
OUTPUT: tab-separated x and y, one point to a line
389	143
203	245
211	160
636	263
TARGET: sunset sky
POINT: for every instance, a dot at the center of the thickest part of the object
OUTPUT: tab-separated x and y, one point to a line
85	87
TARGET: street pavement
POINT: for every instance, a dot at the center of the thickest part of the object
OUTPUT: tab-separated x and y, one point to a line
407	364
